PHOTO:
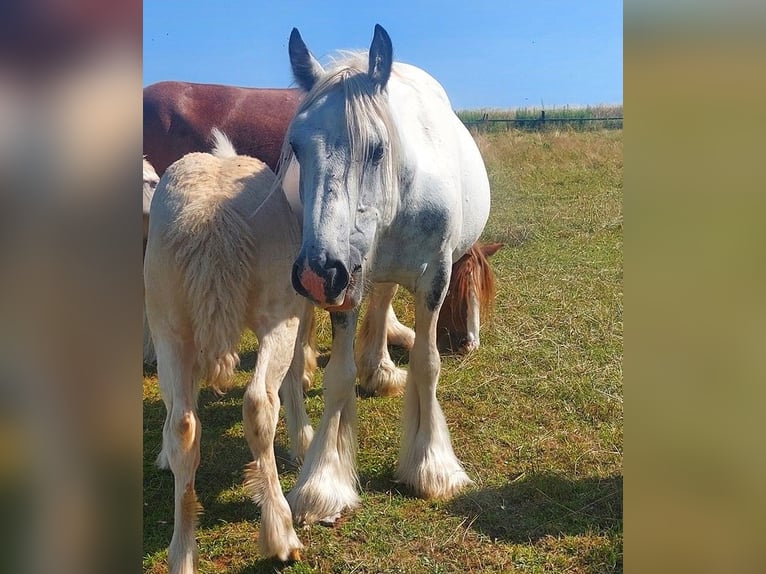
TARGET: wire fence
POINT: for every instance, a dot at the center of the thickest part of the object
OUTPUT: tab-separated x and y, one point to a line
542	122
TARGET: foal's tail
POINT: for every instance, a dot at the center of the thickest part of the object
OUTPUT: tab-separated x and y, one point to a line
217	286
213	245
222	146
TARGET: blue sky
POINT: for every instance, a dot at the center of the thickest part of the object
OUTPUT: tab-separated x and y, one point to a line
487	54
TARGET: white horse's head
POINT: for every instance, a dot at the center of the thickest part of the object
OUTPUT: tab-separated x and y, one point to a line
345	141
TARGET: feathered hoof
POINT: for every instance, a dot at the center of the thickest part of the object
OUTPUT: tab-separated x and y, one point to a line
286	549
431	482
311	505
386	380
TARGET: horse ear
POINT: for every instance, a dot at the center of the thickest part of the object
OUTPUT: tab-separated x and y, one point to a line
489	249
381	57
306	69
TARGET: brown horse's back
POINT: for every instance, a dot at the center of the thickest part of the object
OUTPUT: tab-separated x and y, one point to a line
179	116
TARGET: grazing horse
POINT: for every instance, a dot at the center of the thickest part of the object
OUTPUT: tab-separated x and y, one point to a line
394	191
218	259
469	299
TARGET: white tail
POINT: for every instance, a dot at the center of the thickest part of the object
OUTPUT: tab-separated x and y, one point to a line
222	146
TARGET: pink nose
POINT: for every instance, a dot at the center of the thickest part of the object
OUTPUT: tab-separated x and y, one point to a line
314	285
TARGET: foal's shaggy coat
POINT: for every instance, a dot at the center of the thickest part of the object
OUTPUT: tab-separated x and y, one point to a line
219	253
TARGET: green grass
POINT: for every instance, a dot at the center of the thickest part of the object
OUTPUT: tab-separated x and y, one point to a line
536	414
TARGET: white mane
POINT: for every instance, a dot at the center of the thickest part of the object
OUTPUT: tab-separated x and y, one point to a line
366	111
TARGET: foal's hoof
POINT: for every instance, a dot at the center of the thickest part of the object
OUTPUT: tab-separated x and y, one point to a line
386	380
329	520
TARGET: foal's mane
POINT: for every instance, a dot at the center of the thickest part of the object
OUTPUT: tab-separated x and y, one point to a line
473	267
367	111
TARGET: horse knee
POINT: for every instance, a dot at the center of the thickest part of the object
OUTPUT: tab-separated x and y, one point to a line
259	412
183	434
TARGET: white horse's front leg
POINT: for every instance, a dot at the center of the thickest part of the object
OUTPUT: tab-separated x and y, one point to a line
328	483
378	375
427	462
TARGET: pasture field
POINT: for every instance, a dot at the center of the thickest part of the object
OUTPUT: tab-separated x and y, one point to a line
536	414
578	118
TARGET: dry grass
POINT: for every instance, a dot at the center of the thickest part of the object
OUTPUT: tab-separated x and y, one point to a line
536	414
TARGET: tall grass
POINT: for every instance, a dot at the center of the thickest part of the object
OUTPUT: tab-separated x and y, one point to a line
535	414
576	118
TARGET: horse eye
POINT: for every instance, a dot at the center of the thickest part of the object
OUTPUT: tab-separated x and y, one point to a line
377	154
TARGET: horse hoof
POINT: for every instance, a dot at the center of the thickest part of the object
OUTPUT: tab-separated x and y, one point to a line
329	520
294	556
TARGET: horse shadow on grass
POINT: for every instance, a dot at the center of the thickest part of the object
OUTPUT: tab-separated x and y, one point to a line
537	505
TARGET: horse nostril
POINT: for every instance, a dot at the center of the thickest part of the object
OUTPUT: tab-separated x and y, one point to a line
331	274
468	344
336	279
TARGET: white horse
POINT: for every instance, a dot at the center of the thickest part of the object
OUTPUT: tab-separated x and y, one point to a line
220	248
394	190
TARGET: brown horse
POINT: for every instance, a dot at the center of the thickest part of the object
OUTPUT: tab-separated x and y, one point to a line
179	118
469	299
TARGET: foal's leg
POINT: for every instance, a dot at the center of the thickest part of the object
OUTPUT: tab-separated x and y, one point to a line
180	445
260	410
327	484
427	462
308	338
291	392
377	373
398	334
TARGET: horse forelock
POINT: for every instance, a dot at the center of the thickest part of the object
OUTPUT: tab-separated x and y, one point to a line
367	114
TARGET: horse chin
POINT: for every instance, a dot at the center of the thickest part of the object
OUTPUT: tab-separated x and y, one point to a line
349	302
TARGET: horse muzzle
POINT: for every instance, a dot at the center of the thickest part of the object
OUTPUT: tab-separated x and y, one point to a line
326	282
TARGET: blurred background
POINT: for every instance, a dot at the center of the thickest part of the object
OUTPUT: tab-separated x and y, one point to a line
695	276
70	286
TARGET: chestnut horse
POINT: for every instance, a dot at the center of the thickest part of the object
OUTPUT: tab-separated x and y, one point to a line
179	118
